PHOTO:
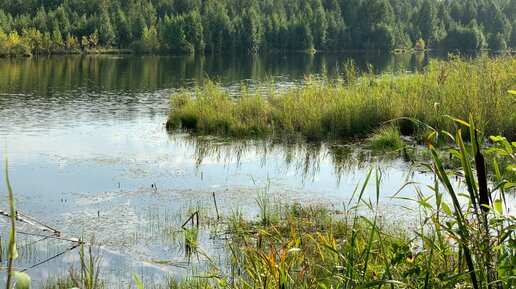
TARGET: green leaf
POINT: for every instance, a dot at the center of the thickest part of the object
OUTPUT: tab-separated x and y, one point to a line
509	185
447	209
498	151
223	282
498	206
496	138
455	153
425	204
22	280
513	92
140	285
458	120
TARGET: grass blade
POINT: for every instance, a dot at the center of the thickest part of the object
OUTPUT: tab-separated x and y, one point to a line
13	253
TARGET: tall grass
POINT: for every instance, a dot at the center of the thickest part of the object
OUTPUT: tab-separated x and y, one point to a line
356	103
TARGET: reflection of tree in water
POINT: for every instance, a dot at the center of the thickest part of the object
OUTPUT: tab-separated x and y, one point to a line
67	75
304	158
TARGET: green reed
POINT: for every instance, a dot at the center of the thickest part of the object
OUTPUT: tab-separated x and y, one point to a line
356	103
22	279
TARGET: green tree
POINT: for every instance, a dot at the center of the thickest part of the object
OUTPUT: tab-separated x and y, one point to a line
401	38
497	42
40	20
262	25
420	44
382	38
5	21
34	40
85	42
58	44
512	41
252	31
3	44
465	38
194	30
71	43
173	35
301	37
150	39
93	39
122	29
319	24
107	35
217	27
59	20
427	22
377	12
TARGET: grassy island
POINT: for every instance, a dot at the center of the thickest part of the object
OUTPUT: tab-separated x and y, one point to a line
355	103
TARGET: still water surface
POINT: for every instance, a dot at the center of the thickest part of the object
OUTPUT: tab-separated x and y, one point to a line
89	155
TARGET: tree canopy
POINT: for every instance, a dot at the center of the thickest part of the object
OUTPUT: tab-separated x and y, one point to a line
185	26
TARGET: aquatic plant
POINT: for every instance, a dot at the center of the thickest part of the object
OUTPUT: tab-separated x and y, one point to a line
386	138
88	276
355	104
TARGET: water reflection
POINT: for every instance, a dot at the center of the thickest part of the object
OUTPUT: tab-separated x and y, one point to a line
301	158
48	76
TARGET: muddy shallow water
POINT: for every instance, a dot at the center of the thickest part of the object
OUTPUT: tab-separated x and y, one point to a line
89	156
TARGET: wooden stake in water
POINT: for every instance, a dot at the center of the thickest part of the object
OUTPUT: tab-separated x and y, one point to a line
216	208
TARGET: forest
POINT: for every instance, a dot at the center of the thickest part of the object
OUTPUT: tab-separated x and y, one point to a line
32	27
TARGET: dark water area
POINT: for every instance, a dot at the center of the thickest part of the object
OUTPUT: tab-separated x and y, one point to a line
143	73
89	155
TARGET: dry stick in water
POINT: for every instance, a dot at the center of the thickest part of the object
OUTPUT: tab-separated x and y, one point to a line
27	220
52	258
216	208
191	218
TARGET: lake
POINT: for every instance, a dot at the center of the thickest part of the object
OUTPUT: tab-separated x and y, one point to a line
89	156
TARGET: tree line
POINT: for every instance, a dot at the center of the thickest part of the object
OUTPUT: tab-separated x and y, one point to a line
186	26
